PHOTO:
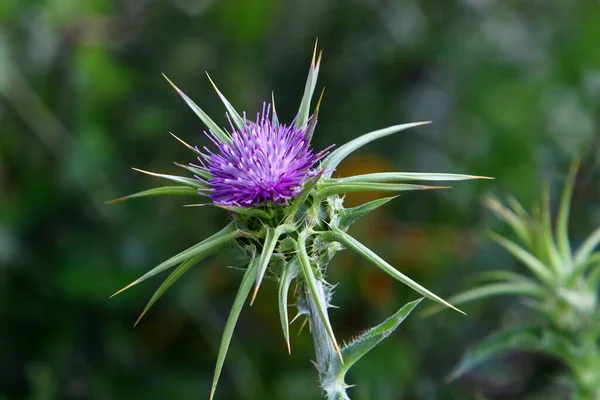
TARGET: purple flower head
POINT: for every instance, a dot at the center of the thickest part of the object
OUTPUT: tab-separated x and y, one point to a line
262	164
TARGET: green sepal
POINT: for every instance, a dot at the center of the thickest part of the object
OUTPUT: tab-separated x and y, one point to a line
311	286
271	238
331	190
360	346
292	209
210	124
523	338
274	119
331	162
193	149
236	308
290	271
382	177
554	258
197	171
350	242
237	120
159	191
248	212
309	89
191	182
351	215
171	279
204	248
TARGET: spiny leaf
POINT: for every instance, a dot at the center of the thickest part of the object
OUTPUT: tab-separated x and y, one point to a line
517	224
310	129
492	289
238	304
347	240
556	262
351	215
371	338
271	239
534	264
204	248
587	247
176	274
332	160
523	338
210	124
159	191
311	82
383	177
179	179
562	221
235	117
371	187
290	271
310	280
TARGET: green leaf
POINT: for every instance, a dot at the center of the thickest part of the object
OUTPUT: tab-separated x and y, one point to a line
351	215
347	240
523	338
492	289
176	274
371	187
310	280
309	89
197	171
204	248
290	271
587	247
210	124
562	222
535	265
518	225
238	304
160	191
383	177
179	179
331	162
271	239
235	117
371	338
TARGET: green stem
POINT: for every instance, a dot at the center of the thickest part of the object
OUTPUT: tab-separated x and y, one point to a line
325	353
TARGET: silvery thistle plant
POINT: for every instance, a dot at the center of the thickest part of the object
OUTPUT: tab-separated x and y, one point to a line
287	215
562	293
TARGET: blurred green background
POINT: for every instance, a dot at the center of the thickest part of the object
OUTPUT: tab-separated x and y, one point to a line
512	86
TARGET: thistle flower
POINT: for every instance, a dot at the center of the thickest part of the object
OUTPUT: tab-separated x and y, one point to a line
289	219
263	163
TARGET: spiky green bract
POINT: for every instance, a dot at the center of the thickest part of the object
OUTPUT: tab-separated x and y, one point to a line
562	290
293	241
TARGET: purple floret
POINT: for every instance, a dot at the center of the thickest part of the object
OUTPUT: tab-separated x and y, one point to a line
263	164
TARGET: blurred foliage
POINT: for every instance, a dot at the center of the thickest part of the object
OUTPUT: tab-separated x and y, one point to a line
512	86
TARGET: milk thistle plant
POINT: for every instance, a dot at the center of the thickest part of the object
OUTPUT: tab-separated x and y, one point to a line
287	215
562	292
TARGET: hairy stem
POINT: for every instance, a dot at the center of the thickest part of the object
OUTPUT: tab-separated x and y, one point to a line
332	385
